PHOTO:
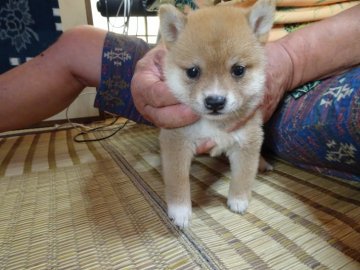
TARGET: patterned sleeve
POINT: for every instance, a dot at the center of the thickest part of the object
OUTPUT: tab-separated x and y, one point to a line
317	126
120	55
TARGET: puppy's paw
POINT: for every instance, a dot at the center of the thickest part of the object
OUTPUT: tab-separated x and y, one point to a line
216	151
264	166
180	215
238	205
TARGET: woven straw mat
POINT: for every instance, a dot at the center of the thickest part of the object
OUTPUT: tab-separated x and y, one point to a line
100	205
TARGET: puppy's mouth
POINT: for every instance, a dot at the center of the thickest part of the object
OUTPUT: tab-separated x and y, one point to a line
215	113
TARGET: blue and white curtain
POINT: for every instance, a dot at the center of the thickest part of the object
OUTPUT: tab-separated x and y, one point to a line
27	27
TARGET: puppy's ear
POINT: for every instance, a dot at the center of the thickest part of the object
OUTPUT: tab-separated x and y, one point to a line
261	18
172	22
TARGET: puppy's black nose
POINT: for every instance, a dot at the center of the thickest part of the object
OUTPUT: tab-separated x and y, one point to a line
215	103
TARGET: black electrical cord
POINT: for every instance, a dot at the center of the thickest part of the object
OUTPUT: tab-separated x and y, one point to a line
97	129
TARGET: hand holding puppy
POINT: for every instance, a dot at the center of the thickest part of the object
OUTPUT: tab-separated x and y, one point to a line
155	102
152	97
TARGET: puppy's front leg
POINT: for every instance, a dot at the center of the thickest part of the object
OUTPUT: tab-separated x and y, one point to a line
176	155
244	165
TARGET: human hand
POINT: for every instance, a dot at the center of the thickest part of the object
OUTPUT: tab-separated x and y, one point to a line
152	97
279	75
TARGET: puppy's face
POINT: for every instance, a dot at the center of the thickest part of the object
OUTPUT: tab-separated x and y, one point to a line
215	62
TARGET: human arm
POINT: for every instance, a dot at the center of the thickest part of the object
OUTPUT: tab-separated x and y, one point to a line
324	48
317	51
48	83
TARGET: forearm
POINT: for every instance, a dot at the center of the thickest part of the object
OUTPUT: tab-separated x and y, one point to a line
324	48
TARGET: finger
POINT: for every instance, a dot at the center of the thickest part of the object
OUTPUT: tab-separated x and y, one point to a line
159	95
205	147
159	62
147	90
153	59
174	116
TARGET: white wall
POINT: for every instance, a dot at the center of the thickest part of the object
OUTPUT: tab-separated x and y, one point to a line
73	12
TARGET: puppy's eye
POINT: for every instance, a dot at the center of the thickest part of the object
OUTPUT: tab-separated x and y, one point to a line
237	71
193	72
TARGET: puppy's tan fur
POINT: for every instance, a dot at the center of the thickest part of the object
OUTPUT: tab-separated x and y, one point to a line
214	40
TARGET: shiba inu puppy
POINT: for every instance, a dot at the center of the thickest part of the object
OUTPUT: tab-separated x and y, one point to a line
215	64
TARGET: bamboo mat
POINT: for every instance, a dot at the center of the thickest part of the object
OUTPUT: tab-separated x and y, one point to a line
100	205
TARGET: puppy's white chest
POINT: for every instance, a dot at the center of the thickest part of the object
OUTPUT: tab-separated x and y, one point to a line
204	129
